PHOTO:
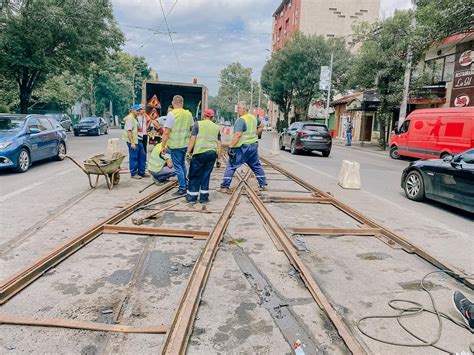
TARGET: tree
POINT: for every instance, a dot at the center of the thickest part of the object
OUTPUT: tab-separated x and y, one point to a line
57	92
43	38
291	77
381	62
234	86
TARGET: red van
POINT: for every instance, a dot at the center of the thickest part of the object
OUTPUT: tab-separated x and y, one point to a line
434	133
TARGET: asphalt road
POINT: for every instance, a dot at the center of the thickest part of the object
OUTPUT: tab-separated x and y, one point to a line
380	175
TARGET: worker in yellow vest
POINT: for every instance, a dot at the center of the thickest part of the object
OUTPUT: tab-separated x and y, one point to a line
136	152
176	135
160	165
205	147
243	148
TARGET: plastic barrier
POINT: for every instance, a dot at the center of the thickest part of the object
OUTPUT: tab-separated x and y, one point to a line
349	176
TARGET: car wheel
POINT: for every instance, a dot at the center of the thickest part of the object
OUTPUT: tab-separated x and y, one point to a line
414	186
444	155
282	146
106	131
293	149
76	133
98	132
326	153
61	152
23	162
394	153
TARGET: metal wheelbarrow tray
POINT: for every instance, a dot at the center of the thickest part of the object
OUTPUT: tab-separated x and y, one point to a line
105	165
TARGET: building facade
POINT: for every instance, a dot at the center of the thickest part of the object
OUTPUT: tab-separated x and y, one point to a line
328	18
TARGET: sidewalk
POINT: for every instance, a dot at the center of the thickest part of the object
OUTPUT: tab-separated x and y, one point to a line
363	146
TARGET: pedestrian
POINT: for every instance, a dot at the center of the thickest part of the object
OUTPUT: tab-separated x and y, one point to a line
177	132
136	152
243	148
160	165
349	129
144	122
205	147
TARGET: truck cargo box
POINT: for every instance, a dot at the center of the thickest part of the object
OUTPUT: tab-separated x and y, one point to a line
195	95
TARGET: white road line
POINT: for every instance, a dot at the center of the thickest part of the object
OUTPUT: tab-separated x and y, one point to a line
32	186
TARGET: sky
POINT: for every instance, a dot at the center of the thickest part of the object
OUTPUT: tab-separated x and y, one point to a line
206	35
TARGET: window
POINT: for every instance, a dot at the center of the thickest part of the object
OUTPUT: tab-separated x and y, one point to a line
449	68
468	157
279	34
294	126
45	124
315	128
405	126
34	123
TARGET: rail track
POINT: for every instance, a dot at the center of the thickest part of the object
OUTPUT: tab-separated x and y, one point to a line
180	329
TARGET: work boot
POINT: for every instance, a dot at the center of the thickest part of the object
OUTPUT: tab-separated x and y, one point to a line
224	190
262	187
465	308
180	192
146	175
137	177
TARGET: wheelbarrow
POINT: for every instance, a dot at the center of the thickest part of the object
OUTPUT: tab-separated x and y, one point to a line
105	165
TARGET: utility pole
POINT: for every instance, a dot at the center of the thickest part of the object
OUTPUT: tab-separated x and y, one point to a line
251	94
326	121
238	100
259	95
407	79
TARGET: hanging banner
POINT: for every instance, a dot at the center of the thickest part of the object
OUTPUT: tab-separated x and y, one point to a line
462	94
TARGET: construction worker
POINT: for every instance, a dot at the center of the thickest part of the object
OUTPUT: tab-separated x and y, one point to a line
177	132
243	148
160	166
136	152
205	147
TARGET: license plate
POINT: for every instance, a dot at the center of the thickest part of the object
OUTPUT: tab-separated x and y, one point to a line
316	138
83	130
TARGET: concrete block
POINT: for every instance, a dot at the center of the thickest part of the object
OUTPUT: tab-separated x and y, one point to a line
349	176
275	146
113	146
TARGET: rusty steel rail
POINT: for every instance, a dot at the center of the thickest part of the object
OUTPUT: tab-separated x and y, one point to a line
23	278
387	236
352	343
153	231
181	328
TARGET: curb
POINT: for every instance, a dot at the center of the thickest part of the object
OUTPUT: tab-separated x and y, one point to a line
379	152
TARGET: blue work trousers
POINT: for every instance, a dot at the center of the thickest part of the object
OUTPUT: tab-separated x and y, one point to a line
245	154
199	175
349	138
136	159
178	156
164	174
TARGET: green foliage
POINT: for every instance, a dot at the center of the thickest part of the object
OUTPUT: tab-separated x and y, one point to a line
291	76
42	38
57	92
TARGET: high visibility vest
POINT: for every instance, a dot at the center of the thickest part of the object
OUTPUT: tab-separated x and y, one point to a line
207	137
156	162
131	116
180	133
250	135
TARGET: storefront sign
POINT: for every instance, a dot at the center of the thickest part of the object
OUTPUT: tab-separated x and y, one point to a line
463	82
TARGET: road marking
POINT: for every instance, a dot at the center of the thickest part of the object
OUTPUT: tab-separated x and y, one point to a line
32	186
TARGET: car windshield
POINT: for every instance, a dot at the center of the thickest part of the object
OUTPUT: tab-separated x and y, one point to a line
315	128
11	123
56	116
467	157
89	120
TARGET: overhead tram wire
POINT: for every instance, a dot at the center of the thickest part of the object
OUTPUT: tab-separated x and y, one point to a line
169	34
159	26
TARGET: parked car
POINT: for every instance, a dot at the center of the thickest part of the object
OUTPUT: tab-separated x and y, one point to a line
91	125
306	136
63	119
25	139
434	133
449	180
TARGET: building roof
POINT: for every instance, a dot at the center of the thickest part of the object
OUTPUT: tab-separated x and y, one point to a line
280	7
346	99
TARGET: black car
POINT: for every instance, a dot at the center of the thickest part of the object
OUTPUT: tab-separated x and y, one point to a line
91	125
306	136
449	180
63	119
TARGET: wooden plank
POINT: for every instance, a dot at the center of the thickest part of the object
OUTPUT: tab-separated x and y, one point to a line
75	324
336	231
153	231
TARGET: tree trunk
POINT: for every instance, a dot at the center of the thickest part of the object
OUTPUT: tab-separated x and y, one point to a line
25	95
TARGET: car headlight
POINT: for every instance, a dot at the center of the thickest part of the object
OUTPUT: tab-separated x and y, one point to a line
5	144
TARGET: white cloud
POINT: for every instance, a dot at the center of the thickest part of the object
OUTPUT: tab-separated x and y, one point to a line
207	34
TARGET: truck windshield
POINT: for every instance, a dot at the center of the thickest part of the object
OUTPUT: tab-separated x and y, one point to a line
11	123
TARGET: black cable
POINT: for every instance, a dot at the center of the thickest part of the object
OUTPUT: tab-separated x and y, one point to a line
417	309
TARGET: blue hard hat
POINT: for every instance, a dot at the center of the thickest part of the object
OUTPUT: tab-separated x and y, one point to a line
136	107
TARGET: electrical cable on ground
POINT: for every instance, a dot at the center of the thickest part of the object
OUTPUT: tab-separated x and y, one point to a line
416	309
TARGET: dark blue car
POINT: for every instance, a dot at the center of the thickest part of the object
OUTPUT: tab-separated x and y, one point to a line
25	139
